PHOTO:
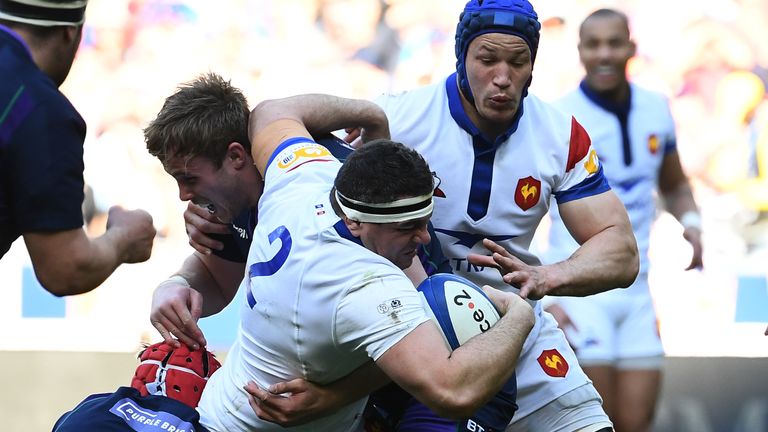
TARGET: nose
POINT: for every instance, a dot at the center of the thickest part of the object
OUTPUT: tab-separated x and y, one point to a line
421	236
185	193
502	77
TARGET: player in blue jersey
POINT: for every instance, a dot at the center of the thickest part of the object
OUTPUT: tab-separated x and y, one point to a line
615	333
41	155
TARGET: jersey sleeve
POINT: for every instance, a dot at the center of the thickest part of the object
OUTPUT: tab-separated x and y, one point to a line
583	171
45	169
377	314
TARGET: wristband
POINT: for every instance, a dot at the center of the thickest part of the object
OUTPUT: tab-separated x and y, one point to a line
691	219
179	279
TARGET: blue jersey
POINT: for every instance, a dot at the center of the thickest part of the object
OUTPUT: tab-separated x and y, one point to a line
41	148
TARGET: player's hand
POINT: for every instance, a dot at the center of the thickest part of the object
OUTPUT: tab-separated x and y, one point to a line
530	280
354	137
199	223
507	302
289	403
176	307
693	235
357	137
136	233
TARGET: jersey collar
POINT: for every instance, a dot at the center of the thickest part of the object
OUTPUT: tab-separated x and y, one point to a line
618	109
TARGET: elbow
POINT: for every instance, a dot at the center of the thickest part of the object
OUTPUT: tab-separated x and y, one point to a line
61	287
456	404
66	280
631	267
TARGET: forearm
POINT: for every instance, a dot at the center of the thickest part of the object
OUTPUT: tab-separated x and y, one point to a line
607	260
214	278
320	113
474	379
679	200
69	263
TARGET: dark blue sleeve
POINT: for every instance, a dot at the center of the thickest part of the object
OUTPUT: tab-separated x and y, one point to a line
44	159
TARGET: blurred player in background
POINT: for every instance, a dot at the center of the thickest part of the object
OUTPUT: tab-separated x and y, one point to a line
615	333
41	155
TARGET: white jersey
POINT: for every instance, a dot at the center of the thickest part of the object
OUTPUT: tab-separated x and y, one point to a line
631	167
318	306
501	191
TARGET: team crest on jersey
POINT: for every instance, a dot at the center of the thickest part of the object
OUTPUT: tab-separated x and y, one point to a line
527	192
653	144
296	156
593	163
553	363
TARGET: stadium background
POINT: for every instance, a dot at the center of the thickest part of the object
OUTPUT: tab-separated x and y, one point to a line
708	56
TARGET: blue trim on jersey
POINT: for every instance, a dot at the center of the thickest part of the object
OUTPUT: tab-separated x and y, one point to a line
590	186
286	143
484	150
620	110
343	231
670	146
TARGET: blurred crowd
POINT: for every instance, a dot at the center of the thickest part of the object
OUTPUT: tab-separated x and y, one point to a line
706	55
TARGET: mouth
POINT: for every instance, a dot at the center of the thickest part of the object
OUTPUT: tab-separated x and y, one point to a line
501	99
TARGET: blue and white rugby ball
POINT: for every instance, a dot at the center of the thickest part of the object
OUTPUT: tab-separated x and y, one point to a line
460	308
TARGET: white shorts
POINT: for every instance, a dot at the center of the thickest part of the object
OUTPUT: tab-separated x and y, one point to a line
547	370
578	410
615	328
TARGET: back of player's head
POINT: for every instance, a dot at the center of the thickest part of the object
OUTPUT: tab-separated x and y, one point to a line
384	171
44	13
515	17
201	119
178	373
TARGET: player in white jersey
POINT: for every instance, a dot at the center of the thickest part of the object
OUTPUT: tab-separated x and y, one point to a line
326	296
615	333
501	155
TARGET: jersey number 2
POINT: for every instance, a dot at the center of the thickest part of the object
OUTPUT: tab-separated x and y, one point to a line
268	268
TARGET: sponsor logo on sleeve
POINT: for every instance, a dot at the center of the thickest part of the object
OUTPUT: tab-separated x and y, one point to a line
295	156
653	144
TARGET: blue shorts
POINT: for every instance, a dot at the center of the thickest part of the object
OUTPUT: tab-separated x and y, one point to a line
391	409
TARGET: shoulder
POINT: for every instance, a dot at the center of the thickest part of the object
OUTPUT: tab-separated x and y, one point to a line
413	99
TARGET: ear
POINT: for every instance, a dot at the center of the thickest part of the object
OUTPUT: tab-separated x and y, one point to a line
72	34
355	228
237	156
632	48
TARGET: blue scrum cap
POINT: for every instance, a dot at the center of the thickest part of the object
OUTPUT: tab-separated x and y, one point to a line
515	17
46	13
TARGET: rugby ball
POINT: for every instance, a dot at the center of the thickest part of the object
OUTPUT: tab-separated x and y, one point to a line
459	307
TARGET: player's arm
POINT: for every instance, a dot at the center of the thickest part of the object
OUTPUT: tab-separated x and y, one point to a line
203	286
306	401
608	256
455	384
676	193
274	121
606	259
69	262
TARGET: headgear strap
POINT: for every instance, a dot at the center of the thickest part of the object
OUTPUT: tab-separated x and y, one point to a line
391	212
